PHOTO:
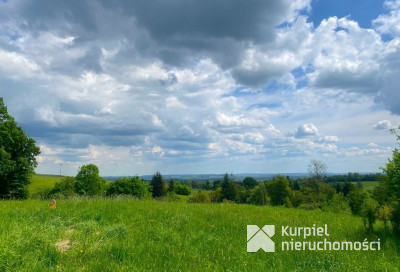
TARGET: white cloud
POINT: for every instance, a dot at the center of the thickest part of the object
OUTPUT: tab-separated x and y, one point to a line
328	139
389	23
306	130
16	66
157	150
383	125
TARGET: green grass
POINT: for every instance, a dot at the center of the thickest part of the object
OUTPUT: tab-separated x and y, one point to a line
369	185
133	235
41	182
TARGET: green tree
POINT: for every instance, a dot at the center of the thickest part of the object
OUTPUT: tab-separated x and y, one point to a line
172	185
337	204
65	187
134	186
250	182
258	195
293	184
279	191
17	157
357	199
159	185
88	181
317	175
385	214
317	170
228	188
182	189
369	213
392	185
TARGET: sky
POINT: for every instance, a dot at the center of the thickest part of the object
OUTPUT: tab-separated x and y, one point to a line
212	86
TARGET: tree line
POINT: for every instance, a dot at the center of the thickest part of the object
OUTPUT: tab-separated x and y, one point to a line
88	182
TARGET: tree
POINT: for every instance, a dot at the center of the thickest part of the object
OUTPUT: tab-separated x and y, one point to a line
278	189
182	189
317	175
258	195
159	185
17	157
317	170
172	185
228	188
369	214
392	184
250	182
134	186
88	181
357	199
293	184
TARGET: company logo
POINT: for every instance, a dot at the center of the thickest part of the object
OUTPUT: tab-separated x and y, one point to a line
260	238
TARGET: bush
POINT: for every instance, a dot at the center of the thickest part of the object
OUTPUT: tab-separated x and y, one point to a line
200	197
172	197
216	195
64	188
182	189
337	205
385	214
133	186
369	213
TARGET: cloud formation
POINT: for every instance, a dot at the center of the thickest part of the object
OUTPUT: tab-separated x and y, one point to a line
210	85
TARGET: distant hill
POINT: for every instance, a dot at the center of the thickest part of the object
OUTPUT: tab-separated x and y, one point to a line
240	177
212	177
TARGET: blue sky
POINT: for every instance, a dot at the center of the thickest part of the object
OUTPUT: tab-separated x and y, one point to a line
203	86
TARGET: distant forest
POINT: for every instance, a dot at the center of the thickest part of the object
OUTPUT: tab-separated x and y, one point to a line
197	180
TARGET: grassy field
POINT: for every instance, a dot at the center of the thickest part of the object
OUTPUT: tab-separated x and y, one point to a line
40	182
369	185
146	235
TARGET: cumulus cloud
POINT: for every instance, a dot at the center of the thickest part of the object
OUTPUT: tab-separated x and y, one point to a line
306	130
152	86
383	125
389	23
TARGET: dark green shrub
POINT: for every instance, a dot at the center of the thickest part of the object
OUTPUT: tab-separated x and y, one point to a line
129	186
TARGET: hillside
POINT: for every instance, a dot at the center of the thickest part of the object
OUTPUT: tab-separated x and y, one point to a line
131	235
40	182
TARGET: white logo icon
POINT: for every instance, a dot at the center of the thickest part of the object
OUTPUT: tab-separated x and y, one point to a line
260	238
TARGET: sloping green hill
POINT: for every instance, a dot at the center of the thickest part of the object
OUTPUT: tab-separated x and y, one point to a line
132	235
41	182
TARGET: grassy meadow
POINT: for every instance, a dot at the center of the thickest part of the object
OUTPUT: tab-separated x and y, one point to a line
126	234
369	185
41	182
